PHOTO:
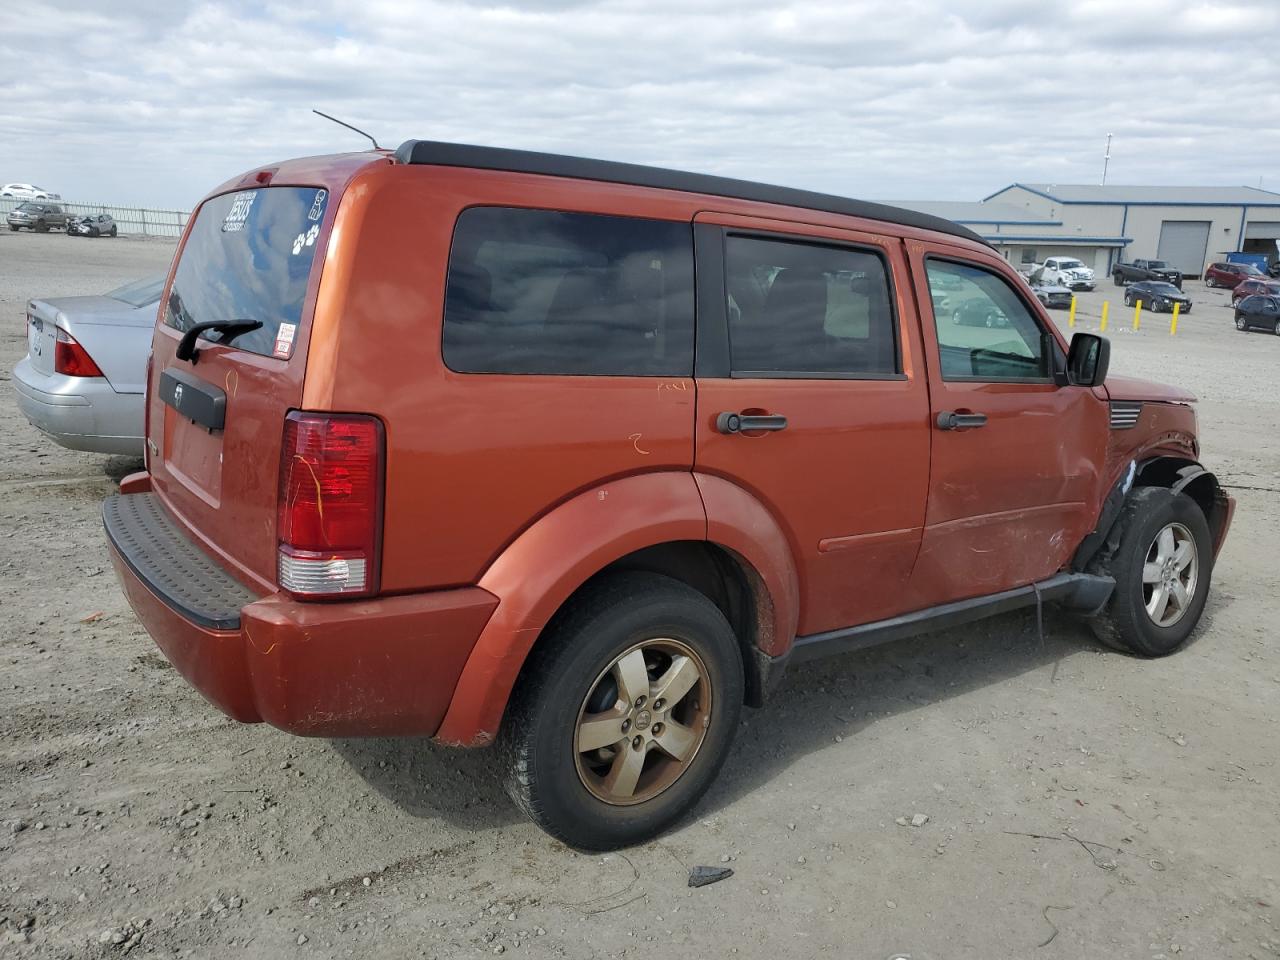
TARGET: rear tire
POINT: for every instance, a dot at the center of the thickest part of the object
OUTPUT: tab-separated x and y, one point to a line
1119	280
113	230
1162	568
1276	330
586	667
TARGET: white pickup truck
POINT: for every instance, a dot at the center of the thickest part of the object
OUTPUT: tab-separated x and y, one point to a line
1064	271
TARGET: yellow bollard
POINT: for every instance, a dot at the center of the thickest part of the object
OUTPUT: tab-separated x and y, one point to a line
1071	317
1173	325
1106	305
1137	314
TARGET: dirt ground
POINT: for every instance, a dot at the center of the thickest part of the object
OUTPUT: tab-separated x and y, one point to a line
1080	803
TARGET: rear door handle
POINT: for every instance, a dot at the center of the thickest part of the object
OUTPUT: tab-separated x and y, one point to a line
730	422
960	420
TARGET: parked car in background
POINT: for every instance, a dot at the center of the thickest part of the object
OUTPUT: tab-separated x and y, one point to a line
27	191
1053	295
1065	272
1259	312
1247	288
979	313
39	216
1259	260
92	225
1125	273
511	462
84	375
1231	274
1156	295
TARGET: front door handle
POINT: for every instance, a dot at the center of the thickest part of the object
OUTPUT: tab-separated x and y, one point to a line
730	422
961	420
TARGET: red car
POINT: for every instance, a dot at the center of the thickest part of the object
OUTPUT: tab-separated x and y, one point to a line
1247	288
1231	274
576	457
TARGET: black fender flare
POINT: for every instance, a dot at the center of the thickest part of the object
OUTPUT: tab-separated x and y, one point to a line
1179	474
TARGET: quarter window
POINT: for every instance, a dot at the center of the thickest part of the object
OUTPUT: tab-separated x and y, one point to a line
985	330
541	292
803	309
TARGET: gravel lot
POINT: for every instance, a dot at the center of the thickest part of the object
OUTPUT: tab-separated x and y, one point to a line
1080	803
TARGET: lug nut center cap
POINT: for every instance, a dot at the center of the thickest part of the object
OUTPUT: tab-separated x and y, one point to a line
643	719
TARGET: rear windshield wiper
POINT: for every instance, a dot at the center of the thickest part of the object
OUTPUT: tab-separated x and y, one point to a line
228	330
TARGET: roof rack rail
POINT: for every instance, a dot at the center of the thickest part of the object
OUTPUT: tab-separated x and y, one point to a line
438	153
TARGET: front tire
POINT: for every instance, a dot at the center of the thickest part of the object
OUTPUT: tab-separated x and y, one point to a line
1119	280
597	681
1241	324
1162	568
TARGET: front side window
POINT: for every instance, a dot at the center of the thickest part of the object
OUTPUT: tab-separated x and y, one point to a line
804	309
541	292
985	331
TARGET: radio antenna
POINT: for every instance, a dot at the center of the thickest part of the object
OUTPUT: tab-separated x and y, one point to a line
349	127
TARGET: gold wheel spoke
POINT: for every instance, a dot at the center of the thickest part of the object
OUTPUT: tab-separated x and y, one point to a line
625	772
676	740
677	681
599	730
632	677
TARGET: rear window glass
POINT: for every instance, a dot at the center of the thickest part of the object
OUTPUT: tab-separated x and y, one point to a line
249	257
541	292
140	292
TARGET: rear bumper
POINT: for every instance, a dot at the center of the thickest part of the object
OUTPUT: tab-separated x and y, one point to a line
80	413
381	667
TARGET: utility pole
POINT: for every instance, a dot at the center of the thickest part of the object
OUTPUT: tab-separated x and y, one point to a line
1106	160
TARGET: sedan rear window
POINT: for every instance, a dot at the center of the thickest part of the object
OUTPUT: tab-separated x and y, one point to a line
249	257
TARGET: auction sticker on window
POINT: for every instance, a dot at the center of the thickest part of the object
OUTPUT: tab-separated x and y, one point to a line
284	340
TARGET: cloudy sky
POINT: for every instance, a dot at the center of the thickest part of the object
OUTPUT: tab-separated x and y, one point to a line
157	101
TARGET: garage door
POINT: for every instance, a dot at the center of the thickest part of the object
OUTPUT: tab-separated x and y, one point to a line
1183	244
1262	231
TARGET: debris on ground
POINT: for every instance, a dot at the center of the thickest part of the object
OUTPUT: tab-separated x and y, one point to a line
702	876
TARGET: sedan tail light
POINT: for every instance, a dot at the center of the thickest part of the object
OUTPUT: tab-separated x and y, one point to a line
329	514
71	359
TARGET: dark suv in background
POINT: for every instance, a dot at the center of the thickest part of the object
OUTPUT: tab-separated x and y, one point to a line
37	215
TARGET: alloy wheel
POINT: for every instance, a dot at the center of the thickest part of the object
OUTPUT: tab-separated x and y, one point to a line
1170	574
642	722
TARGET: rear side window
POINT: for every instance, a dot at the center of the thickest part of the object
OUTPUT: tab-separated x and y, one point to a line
249	257
807	310
542	292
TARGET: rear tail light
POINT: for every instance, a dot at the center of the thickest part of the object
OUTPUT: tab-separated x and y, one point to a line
329	516
71	359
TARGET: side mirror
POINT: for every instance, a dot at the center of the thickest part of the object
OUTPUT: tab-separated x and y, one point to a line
1088	360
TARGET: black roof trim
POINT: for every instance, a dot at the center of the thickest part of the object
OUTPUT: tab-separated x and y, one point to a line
437	153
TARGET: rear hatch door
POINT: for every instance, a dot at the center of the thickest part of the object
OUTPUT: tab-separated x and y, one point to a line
215	425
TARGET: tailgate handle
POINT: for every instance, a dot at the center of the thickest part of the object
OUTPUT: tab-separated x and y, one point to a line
195	399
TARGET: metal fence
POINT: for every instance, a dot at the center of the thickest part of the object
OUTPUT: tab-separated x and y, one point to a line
135	221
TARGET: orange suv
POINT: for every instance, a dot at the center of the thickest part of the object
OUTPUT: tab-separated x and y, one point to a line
576	456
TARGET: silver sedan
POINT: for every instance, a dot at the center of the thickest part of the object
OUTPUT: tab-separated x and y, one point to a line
83	379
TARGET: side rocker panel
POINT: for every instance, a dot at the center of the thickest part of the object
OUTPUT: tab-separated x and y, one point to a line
545	564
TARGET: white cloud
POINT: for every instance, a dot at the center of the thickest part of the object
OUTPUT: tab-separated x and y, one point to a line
156	102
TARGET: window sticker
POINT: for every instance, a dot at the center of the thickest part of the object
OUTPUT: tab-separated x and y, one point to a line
304	240
239	212
284	340
317	208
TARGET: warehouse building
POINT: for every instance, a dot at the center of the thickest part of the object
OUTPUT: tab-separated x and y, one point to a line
1189	227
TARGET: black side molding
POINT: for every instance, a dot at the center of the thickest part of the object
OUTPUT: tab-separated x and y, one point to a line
195	399
1081	592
